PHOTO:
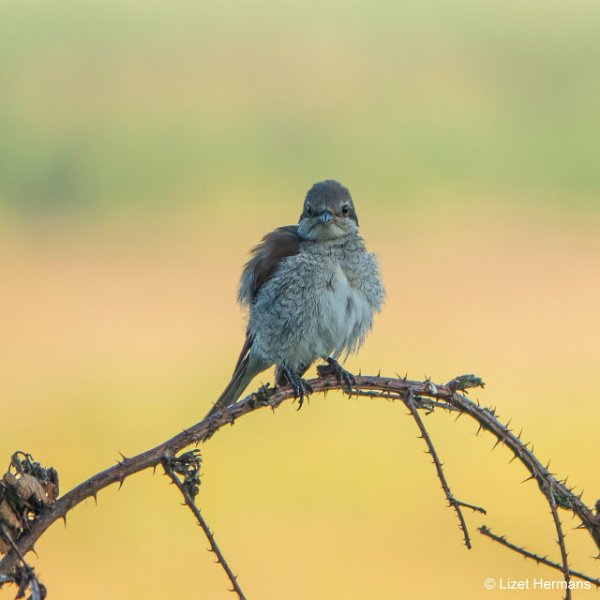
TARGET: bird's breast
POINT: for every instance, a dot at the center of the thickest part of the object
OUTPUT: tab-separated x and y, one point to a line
345	315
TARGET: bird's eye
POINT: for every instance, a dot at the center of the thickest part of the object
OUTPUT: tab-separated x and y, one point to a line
345	209
308	211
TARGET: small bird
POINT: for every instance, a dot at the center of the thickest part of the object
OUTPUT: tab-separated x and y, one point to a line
312	290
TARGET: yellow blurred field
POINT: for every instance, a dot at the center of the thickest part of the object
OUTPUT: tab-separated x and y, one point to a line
113	343
146	148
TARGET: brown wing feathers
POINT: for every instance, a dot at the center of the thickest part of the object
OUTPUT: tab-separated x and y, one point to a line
275	246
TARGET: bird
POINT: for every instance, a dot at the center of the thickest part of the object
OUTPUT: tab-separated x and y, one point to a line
312	290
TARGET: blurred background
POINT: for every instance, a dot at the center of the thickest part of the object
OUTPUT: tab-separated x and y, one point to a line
145	147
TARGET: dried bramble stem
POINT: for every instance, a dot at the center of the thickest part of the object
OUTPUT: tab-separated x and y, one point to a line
452	501
26	579
543	560
416	395
214	548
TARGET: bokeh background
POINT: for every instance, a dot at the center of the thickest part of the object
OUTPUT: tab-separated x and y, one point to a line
146	146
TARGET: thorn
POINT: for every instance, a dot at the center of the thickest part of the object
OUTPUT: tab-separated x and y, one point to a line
527	479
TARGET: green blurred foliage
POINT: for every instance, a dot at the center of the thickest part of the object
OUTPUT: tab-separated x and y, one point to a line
117	105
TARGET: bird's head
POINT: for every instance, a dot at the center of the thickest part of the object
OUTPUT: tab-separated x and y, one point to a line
328	212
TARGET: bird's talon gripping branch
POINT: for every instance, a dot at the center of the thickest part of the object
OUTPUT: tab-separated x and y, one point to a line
302	390
300	386
333	367
261	396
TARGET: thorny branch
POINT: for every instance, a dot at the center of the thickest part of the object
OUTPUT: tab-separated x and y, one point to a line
543	560
561	543
415	395
188	464
452	501
24	575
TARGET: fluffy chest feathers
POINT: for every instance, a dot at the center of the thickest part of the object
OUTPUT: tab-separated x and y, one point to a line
319	302
345	315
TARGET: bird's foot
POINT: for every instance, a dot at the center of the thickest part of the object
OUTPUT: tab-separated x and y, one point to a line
261	396
333	367
302	389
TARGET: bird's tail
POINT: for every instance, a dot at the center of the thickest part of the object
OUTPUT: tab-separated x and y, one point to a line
247	368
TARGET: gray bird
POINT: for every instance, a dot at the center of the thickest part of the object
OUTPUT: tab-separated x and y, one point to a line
312	290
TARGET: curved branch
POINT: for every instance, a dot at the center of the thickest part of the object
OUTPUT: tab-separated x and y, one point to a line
414	394
196	434
547	482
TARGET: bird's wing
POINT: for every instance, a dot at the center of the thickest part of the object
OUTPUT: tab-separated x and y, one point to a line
244	353
274	247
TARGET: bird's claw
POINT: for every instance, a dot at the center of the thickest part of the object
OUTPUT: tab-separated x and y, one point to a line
302	389
261	396
333	367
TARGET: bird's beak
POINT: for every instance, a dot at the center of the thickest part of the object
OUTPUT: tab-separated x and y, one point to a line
325	217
